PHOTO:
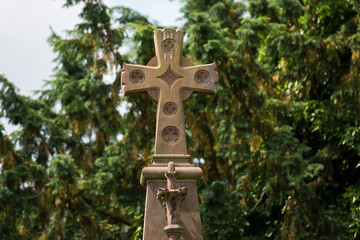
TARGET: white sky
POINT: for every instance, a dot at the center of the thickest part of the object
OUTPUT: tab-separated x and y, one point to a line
25	55
26	59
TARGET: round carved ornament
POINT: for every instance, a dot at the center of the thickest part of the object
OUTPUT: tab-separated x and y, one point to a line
168	45
170	134
170	108
137	76
202	77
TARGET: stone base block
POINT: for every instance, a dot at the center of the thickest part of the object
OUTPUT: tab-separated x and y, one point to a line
155	212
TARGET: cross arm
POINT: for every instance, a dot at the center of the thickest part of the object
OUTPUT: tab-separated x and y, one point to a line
137	78
201	78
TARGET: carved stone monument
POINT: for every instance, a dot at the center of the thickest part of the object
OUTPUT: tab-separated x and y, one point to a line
172	209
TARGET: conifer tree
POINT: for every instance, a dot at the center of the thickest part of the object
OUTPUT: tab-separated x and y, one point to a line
279	144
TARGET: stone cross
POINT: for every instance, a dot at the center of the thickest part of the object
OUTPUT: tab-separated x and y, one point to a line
170	79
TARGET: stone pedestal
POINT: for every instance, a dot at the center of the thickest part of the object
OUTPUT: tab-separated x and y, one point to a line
153	177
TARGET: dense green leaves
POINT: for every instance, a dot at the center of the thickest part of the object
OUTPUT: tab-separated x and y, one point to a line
279	144
288	125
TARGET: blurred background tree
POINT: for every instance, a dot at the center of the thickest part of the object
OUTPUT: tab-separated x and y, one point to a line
279	144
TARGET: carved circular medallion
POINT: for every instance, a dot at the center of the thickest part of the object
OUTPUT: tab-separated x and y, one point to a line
170	108
202	77
137	76
170	134
168	45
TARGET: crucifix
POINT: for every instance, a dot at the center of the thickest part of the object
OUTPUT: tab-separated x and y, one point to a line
170	79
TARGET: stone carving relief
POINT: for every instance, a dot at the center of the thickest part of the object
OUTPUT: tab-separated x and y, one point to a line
170	134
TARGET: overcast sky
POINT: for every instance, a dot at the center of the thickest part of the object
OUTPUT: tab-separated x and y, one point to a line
26	59
25	55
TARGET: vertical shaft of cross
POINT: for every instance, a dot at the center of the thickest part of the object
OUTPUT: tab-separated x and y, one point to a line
171	176
170	135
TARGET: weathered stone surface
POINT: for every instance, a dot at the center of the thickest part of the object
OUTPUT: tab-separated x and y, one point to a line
185	171
169	79
155	213
172	197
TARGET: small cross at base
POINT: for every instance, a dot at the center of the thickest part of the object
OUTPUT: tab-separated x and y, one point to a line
172	197
169	79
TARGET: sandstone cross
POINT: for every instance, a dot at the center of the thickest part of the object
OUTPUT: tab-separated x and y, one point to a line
169	79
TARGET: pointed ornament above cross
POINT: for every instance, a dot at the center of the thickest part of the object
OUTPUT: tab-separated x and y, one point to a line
170	79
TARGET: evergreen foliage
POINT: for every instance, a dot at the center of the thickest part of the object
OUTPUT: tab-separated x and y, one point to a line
279	144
